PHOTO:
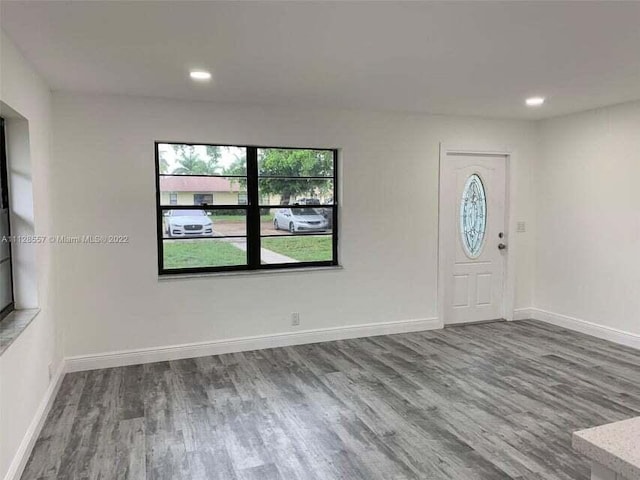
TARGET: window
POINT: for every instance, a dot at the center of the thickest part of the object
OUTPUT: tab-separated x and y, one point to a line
173	199
203	199
243	199
473	216
257	208
6	276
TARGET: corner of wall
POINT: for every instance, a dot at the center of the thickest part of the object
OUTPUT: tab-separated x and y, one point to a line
32	365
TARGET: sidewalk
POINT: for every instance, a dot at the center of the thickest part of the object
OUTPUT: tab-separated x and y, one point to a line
267	256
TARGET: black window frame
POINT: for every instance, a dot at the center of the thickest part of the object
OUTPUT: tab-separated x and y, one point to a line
5	204
252	208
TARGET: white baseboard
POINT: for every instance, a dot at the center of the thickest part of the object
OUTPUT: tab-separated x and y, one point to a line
243	344
191	350
600	331
523	313
21	457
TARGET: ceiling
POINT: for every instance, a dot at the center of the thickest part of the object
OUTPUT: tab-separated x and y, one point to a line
475	58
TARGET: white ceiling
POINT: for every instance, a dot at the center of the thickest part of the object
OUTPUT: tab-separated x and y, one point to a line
478	58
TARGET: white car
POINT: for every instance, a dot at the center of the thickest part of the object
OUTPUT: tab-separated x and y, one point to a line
299	220
188	223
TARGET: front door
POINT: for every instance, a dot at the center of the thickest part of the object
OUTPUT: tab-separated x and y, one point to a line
474	242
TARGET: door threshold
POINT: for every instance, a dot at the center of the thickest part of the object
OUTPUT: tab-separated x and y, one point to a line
479	322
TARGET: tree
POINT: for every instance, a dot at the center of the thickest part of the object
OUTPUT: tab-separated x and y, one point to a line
276	162
213	162
237	167
164	163
190	163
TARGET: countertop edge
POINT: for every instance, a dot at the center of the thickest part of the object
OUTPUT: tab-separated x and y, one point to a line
603	456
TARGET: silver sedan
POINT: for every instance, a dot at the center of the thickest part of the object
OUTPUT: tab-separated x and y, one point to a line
299	220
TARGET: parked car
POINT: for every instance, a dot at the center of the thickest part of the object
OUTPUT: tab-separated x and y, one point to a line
299	220
327	212
308	201
188	223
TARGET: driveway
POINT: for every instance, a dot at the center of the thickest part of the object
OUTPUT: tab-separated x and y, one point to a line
225	229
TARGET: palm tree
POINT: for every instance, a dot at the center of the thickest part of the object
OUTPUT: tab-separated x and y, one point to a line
189	161
164	163
213	162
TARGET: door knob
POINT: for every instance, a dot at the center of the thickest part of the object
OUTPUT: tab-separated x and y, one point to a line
501	246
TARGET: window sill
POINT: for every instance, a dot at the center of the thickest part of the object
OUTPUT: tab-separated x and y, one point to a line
275	271
13	325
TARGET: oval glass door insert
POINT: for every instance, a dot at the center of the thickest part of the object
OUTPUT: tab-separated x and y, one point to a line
473	216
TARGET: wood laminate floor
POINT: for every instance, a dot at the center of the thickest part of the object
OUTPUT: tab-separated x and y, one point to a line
492	401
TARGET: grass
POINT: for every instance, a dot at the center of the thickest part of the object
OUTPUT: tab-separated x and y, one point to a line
202	253
219	253
301	248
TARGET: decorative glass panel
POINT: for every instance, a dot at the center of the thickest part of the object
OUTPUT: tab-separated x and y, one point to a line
473	216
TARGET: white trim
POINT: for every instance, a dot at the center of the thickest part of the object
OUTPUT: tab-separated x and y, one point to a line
583	326
191	350
523	313
21	457
242	344
233	273
509	296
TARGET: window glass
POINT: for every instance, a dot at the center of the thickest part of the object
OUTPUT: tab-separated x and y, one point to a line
289	162
296	249
204	252
298	191
200	190
296	220
6	277
473	216
203	198
196	223
214	208
187	159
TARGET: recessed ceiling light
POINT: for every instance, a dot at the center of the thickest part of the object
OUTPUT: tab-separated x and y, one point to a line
200	75
535	101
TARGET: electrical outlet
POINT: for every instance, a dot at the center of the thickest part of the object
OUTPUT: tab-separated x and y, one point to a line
295	319
521	227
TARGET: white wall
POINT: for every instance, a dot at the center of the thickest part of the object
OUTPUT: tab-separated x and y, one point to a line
588	217
110	296
24	377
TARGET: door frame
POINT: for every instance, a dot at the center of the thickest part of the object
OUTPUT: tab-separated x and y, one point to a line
509	284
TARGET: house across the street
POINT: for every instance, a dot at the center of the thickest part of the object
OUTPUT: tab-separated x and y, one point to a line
190	190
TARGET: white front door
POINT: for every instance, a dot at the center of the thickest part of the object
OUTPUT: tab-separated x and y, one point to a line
473	244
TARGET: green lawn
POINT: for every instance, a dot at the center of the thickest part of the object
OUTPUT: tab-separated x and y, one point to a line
301	248
202	253
218	253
